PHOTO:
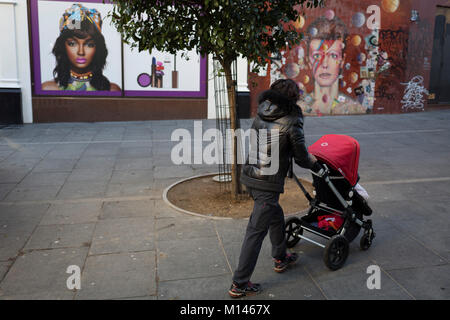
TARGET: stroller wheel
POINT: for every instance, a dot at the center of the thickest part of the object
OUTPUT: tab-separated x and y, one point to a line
293	228
336	252
366	240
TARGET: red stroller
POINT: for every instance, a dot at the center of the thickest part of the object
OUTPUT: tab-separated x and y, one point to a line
335	196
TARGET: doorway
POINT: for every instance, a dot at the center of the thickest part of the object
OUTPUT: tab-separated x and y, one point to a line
440	60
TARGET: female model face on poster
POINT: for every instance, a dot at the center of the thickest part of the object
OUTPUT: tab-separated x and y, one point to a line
80	52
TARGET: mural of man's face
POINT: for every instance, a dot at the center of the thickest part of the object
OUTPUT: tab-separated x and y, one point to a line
326	60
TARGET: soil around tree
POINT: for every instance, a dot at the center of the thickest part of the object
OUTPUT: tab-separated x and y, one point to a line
204	196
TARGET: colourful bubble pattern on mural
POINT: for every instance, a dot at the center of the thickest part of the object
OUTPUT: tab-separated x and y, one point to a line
390	6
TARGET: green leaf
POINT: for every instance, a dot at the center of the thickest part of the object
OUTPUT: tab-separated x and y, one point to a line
223	29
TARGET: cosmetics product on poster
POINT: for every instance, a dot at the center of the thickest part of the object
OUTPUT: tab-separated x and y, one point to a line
155	72
76	50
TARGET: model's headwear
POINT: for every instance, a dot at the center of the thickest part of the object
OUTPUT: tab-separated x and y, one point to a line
76	14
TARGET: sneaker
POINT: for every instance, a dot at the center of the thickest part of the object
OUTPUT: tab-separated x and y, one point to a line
281	265
245	290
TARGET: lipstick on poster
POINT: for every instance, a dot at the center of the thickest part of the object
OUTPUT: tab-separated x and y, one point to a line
153	76
174	73
159	74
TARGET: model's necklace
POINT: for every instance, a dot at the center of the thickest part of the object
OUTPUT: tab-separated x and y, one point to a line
81	76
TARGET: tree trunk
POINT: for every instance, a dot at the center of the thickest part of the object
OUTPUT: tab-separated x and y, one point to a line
231	88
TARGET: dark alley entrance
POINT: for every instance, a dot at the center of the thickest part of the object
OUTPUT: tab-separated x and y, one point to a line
440	63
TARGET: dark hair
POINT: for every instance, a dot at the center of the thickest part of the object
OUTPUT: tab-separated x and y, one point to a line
287	88
61	73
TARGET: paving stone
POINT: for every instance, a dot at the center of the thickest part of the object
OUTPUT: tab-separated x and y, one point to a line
77	137
41	179
294	284
195	289
163	210
4	267
424	283
424	190
424	231
116	276
393	249
93	175
151	298
80	189
161	160
127	209
181	171
184	228
61	236
162	184
6	188
101	149
231	230
132	176
133	164
398	210
123	235
203	169
109	135
49	165
132	189
56	296
33	193
70	151
136	143
5	154
13	175
354	287
72	213
22	213
205	259
42	274
136	138
102	162
13	239
33	151
164	133
134	152
17	223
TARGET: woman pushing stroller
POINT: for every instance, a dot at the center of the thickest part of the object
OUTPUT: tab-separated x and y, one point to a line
277	110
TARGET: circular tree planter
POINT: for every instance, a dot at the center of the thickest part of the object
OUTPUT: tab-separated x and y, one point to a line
202	196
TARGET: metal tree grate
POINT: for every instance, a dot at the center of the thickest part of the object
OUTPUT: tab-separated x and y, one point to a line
223	123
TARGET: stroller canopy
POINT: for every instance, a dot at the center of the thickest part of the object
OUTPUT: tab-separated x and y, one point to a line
340	152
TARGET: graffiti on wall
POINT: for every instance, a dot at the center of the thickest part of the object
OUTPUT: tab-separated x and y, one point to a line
349	63
388	86
413	97
336	63
395	41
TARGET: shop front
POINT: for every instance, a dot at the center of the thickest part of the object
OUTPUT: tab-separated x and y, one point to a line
83	71
63	61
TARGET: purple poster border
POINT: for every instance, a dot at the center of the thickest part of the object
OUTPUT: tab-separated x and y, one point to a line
128	93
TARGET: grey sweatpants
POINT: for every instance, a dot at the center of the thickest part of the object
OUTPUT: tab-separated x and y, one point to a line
267	216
